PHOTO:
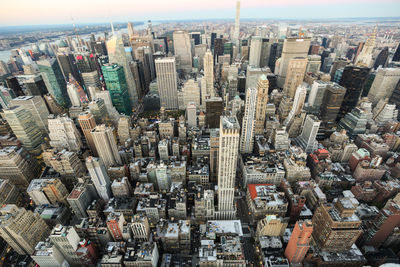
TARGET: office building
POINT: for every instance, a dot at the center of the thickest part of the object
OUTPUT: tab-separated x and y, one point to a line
307	139
47	255
47	191
106	145
91	79
182	50
247	135
87	123
167	82
36	106
228	153
99	176
298	103
236	31
54	80
63	133
66	240
255	51
331	103
336	226
24	127
209	73
140	227
261	106
22	229
191	114
214	109
292	48
353	79
115	79
299	243
364	58
117	55
294	75
253	74
384	84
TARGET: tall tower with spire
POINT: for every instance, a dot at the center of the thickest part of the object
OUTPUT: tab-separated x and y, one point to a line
237	26
365	57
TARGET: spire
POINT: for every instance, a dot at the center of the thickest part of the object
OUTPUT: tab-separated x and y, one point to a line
112	27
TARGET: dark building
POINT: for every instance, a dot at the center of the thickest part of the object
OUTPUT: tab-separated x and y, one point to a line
324	42
265	50
13	84
68	66
196	37
86	62
214	109
34	84
396	56
274	54
272	82
242	85
382	58
218	48
350	53
353	79
99	48
213	36
331	104
165	43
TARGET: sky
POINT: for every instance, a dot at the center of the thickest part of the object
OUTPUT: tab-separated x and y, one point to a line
36	12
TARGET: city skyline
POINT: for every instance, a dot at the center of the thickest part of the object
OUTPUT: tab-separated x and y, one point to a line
32	14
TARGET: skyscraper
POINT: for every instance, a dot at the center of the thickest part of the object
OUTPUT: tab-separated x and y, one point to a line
66	239
353	79
299	242
117	55
247	135
292	48
99	176
182	50
37	108
214	109
228	153
17	166
365	56
87	123
384	84
25	128
331	103
106	146
307	139
191	115
262	101
298	103
54	80
209	73
167	82
117	86
294	75
22	229
255	51
236	32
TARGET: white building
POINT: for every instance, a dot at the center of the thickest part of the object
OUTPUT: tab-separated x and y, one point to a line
183	50
247	135
63	133
255	51
307	139
106	146
167	82
99	176
228	153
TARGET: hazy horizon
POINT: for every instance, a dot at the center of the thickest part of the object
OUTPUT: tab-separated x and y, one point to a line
103	11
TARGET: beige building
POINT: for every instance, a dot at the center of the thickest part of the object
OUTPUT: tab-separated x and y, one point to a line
167	82
271	225
106	145
228	153
294	75
22	229
63	133
87	122
261	106
247	135
183	50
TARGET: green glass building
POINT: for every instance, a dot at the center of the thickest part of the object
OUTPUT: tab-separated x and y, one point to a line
54	80
116	84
